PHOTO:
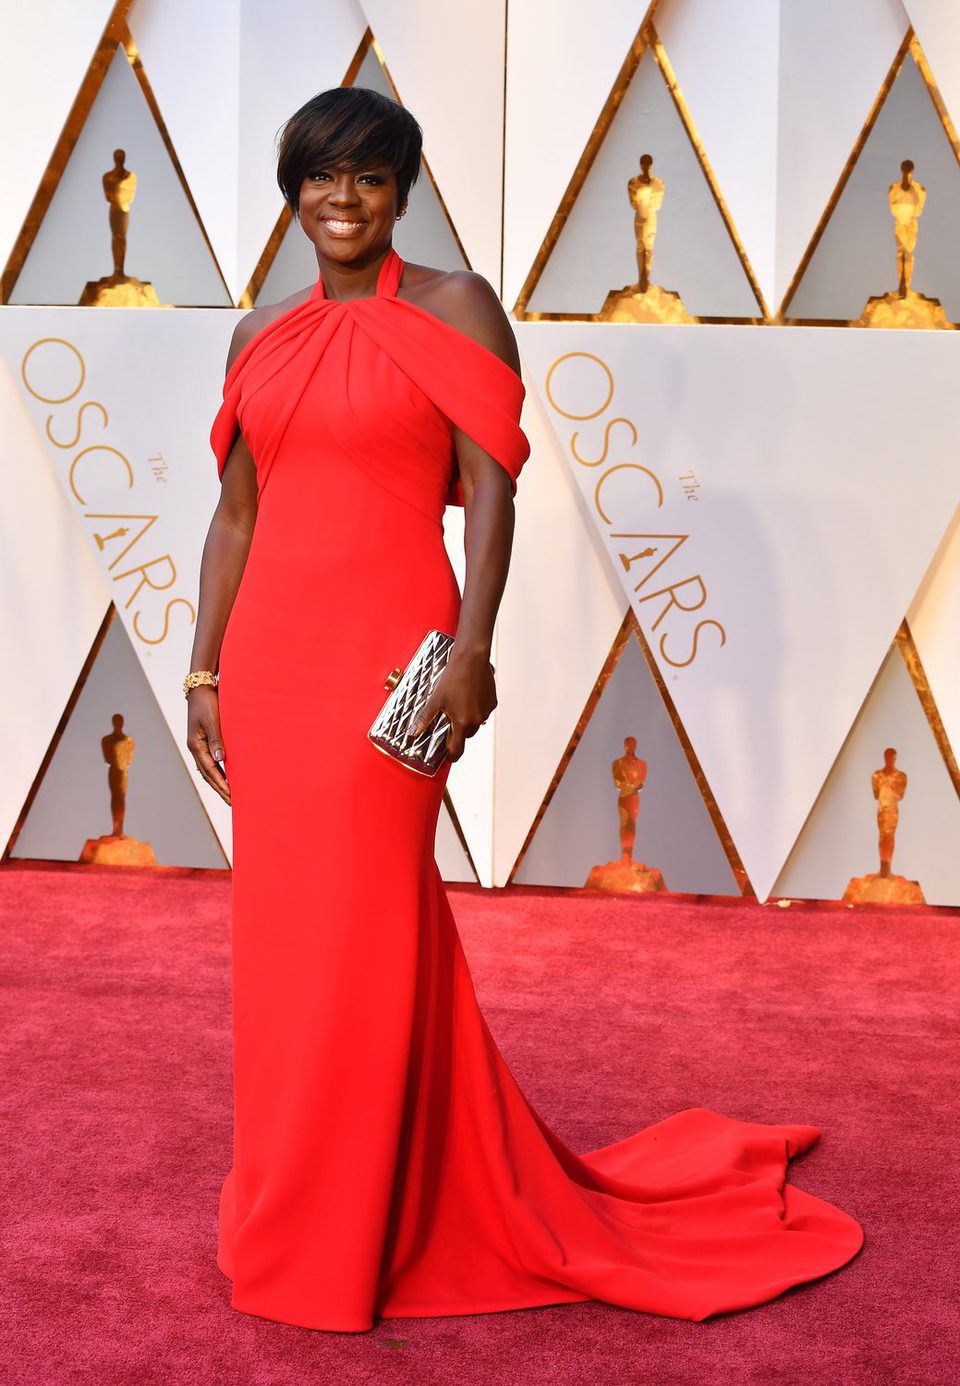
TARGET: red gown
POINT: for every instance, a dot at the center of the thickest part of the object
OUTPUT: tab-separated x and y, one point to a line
385	1162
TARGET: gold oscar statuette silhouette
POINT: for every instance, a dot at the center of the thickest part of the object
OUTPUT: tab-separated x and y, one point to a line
119	290
889	786
903	307
629	776
644	301
116	849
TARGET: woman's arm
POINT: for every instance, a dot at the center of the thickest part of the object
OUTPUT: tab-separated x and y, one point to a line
466	690
221	568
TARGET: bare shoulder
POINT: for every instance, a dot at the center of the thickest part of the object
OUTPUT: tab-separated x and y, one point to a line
256	320
467	301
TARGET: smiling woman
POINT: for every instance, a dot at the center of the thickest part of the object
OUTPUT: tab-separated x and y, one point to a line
346	166
385	1162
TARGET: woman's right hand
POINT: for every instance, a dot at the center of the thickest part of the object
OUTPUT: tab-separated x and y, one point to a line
203	737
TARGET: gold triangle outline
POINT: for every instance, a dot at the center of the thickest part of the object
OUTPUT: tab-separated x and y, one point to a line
423	160
589	707
630	626
281	226
140	72
918	677
270	251
904	642
646	38
58	731
70	707
910	44
75	120
116	34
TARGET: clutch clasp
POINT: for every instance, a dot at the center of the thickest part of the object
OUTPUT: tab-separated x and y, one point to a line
392	679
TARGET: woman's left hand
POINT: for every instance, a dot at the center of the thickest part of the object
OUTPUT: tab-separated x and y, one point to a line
466	691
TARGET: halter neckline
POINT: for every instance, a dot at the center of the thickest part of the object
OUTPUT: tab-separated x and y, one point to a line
388	281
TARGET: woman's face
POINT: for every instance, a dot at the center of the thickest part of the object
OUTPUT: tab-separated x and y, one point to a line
349	214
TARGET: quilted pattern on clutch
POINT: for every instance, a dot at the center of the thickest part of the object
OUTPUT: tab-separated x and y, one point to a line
390	731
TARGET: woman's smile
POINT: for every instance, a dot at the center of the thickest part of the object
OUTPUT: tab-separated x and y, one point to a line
341	226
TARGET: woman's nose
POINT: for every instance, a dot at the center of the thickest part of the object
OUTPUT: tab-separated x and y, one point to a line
343	190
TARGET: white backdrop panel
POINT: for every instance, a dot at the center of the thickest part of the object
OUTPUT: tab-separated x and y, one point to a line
54	599
770	556
130	395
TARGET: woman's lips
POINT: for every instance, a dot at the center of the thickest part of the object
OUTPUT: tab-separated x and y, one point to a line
338	226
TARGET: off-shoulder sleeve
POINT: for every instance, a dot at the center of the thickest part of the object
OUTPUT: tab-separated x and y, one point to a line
226	425
467	382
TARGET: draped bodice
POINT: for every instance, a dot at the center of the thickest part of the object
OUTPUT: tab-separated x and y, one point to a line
377	381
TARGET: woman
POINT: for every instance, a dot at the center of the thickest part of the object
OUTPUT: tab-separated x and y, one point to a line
385	1162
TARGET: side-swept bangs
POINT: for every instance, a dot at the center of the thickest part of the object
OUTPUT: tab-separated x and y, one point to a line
349	127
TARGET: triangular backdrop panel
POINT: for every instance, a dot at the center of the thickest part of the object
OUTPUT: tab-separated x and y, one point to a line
580	827
422	235
596	250
833	61
840	838
73	801
734	99
856	257
39	78
142	479
165	244
770	599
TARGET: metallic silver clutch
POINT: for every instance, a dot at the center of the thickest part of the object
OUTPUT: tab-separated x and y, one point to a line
410	689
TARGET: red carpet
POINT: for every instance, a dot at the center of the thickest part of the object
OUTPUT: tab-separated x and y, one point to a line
613	1013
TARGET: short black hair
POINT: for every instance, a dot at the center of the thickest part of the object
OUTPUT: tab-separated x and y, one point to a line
351	126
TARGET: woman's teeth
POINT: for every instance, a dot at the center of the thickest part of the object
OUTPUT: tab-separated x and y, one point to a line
341	228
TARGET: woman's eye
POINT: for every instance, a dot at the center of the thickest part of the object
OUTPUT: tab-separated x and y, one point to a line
321	174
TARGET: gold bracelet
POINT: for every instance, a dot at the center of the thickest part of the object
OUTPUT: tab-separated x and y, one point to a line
198	677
